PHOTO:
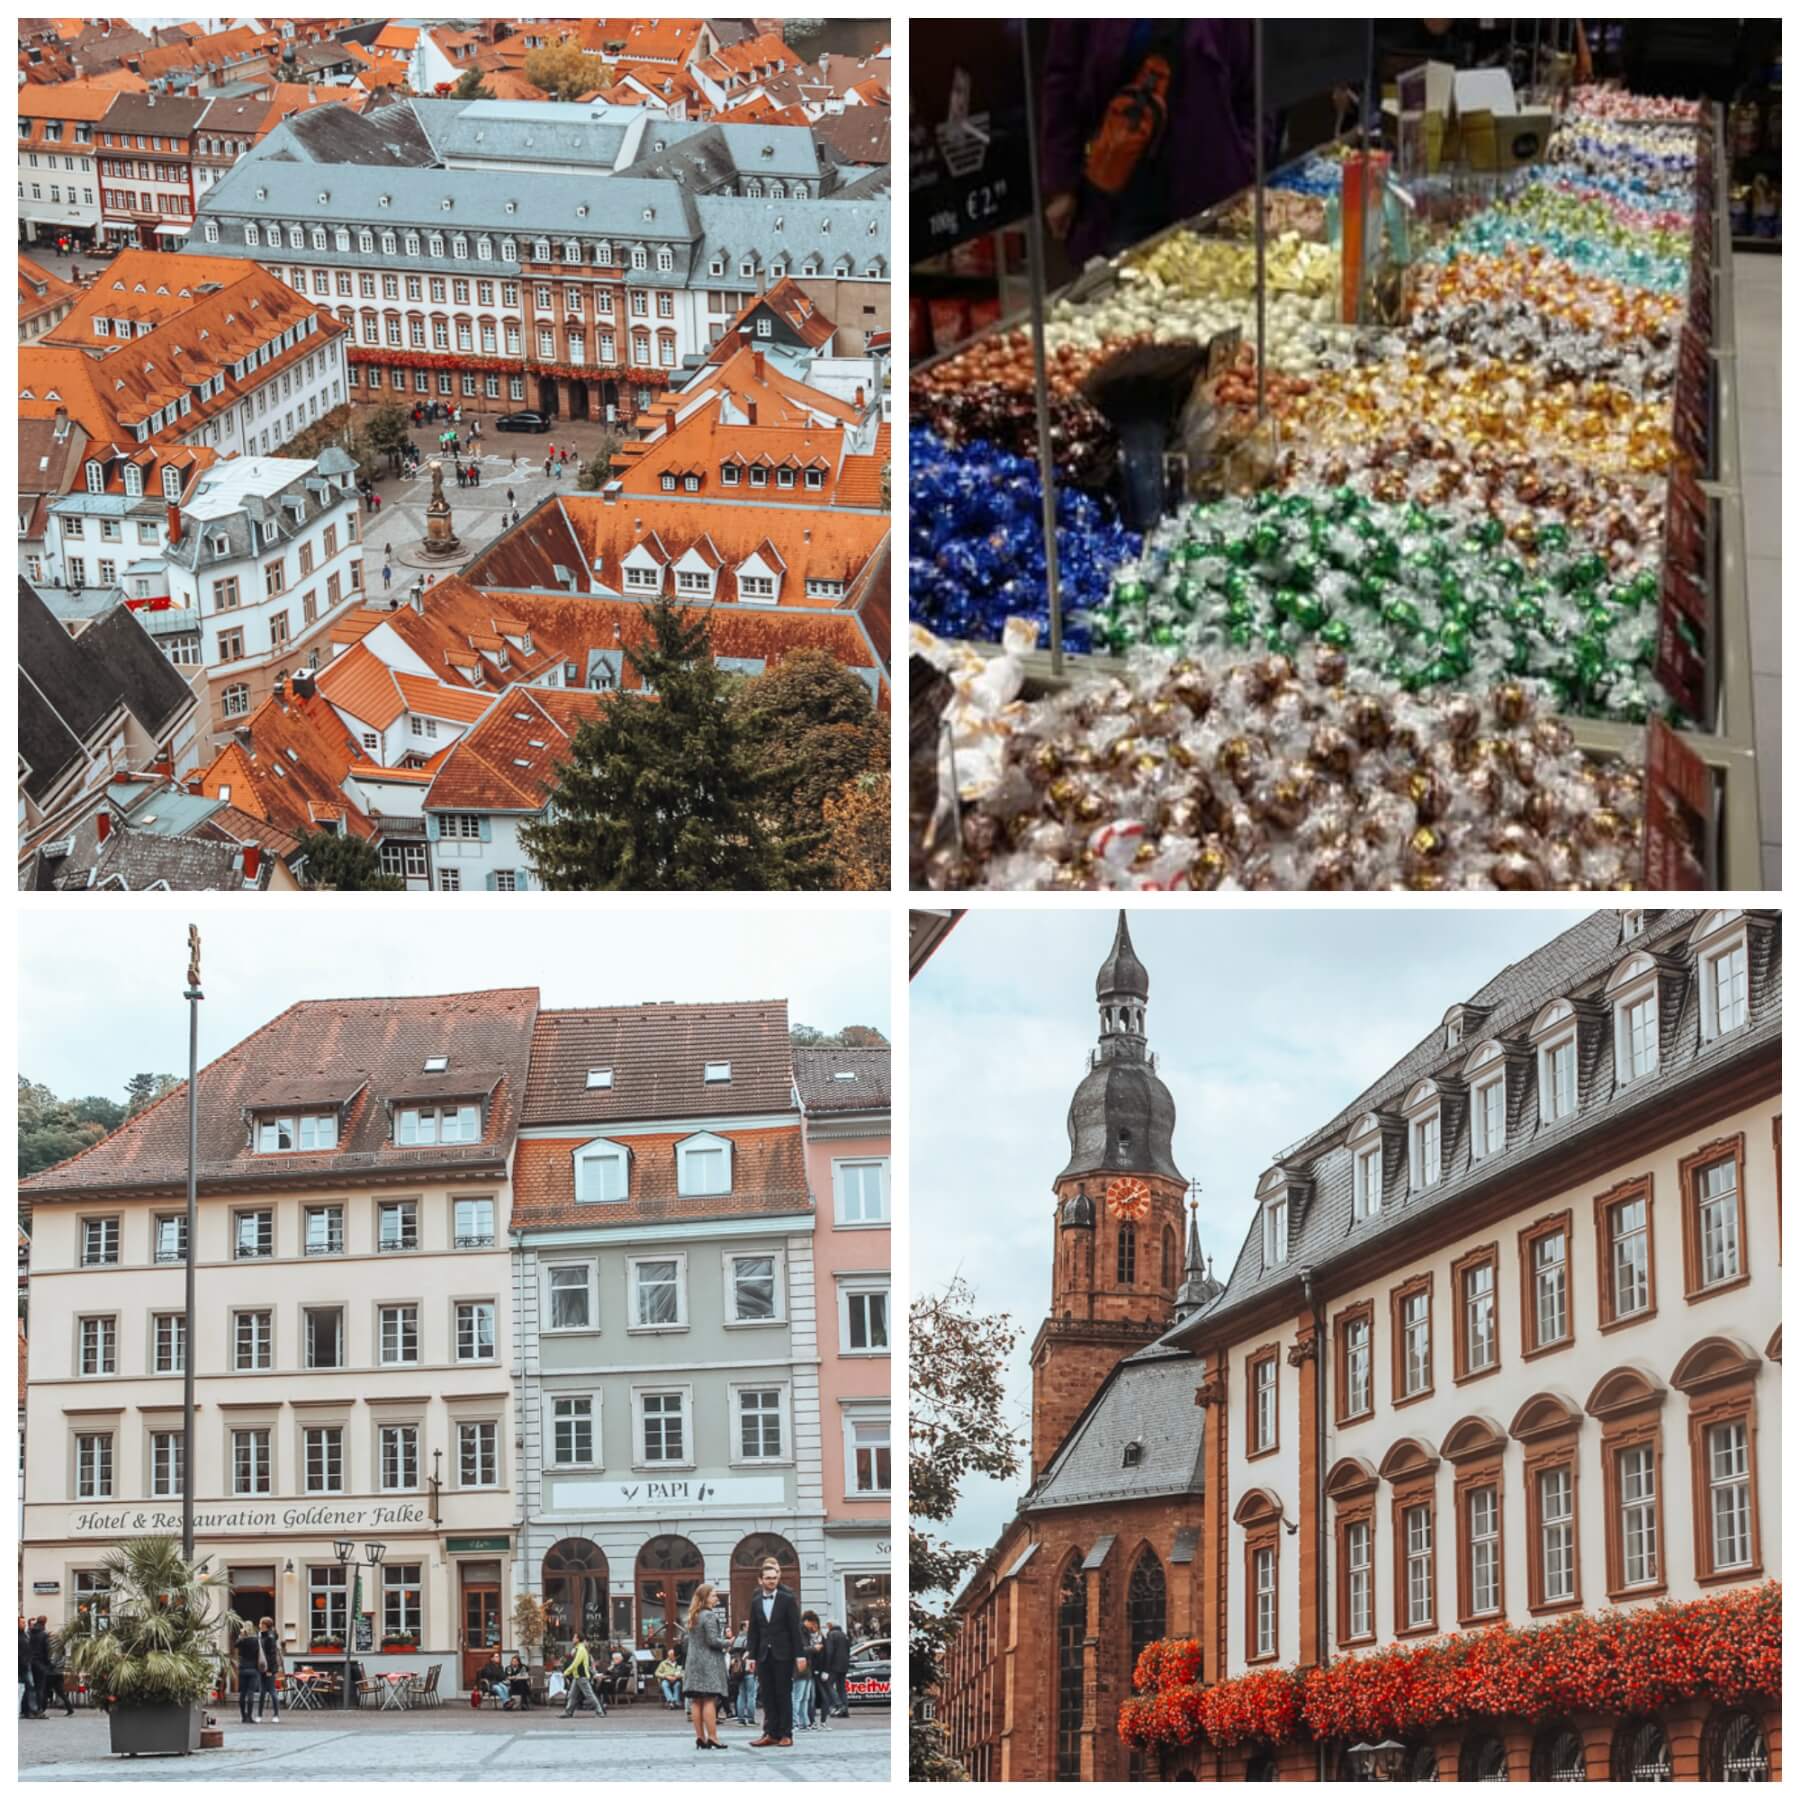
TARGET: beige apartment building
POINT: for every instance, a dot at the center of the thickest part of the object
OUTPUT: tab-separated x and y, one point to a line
352	1305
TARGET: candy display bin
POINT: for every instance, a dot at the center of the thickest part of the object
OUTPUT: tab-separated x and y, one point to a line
1711	658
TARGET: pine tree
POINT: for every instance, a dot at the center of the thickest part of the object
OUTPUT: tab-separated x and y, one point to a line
470	85
671	791
348	864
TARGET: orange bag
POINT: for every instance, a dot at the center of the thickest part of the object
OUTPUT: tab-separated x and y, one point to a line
1136	118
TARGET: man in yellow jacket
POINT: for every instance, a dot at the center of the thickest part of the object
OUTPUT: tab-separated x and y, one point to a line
578	1674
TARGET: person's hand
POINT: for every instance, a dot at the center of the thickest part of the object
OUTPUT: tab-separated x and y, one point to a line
750	1664
1059	214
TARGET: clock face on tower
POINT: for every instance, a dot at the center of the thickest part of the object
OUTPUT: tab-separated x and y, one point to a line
1128	1198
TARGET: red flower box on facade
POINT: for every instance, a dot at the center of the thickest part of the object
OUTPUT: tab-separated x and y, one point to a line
1723	1648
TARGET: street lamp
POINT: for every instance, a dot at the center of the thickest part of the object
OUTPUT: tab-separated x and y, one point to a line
193	996
345	1552
1378	1762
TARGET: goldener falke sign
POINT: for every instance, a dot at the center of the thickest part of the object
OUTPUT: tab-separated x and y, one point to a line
253	1518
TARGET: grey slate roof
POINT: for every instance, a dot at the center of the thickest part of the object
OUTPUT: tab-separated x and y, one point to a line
1575	966
816	1072
137	860
1149	1400
390	137
69	686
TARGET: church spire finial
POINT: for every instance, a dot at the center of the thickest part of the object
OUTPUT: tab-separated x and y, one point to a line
1198	1289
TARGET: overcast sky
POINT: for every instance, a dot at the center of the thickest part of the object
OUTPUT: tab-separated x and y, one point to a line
1264	1024
100	988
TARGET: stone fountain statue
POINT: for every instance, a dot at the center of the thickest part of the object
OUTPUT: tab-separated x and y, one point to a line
440	540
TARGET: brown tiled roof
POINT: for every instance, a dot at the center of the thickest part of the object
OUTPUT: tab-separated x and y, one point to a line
508	763
296	791
815	1072
658	1056
768	1175
372	1047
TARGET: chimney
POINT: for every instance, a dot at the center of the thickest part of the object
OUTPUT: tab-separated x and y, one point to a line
59	428
303	684
756	364
750	405
103	824
859	397
174	524
252	862
280	688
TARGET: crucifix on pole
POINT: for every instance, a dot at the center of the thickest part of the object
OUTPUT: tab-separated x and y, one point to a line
193	996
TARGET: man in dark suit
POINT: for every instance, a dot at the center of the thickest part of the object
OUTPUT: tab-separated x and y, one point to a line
837	1668
776	1643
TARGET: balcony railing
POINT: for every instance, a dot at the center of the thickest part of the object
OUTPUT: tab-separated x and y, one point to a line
479	1240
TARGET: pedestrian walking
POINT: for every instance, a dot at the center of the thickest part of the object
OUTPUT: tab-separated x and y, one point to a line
271	1668
461	476
509	497
746	1694
387	577
818	1700
578	1675
705	1674
41	1663
837	1669
249	1674
774	1650
549	463
375	500
28	1706
475	473
800	1697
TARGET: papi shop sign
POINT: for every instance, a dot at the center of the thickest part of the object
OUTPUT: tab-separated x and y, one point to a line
681	1496
129	1521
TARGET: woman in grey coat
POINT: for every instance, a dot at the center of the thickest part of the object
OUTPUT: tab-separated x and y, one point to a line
704	1680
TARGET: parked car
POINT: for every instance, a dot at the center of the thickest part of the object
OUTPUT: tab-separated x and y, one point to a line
523	421
871	1678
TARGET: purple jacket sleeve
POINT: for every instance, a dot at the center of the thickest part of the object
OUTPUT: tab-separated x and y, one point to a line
1059	107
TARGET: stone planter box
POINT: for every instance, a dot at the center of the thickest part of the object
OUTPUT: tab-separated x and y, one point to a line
154	1730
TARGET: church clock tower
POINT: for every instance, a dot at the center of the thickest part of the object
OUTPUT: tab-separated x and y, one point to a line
1119	1252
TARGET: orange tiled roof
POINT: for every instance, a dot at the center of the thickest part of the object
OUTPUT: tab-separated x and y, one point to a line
508	84
768	1175
751	56
439	700
859	480
289	97
121	80
508	763
194	335
398	37
353	627
82	102
297	792
40	290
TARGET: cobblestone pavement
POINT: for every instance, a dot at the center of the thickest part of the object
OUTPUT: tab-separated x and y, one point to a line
451	1743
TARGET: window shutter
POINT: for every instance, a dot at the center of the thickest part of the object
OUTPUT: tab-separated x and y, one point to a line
493	881
487	829
431	827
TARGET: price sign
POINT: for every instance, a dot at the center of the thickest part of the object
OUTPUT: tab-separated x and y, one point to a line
969	159
1679	667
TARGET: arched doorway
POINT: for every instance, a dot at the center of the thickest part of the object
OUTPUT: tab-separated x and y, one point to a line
669	1569
1557	1755
1733	1748
1483	1758
1071	1681
547	396
575	1589
578	400
1641	1752
609	399
746	1570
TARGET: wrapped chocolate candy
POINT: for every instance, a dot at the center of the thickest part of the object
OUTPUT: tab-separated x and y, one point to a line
1278	773
977	543
1417	598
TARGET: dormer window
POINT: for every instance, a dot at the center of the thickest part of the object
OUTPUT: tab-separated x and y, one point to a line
703	1166
1134	1454
134	480
1366	1167
1723	962
436	1065
1486	1071
1554	1034
1425	1137
602	1173
437	1125
1275	1232
1631	925
718	1071
1633	992
171	482
303	1131
600	1078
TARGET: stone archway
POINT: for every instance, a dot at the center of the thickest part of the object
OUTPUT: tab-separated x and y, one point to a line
669	1569
746	1570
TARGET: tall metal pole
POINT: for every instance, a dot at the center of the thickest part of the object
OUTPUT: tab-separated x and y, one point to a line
1262	358
1034	252
193	997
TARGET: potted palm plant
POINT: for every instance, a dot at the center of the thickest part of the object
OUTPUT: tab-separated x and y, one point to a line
154	1656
